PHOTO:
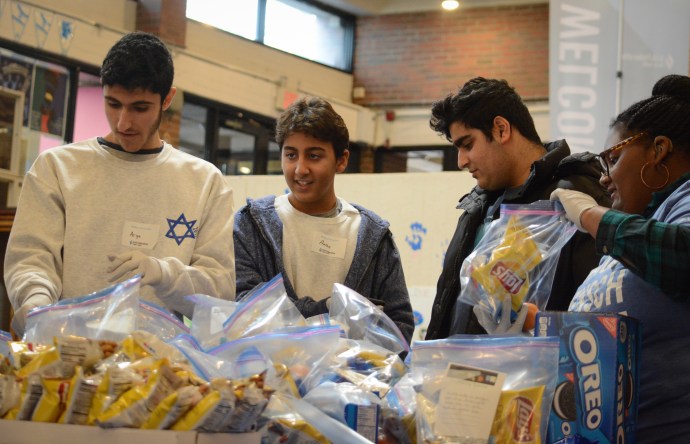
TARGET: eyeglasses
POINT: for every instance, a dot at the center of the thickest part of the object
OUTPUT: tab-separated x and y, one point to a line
605	156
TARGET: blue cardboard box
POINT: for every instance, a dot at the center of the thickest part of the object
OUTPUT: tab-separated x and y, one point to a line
596	394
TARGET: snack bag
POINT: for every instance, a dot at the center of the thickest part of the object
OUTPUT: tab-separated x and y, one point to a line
203	364
108	314
353	406
484	388
82	390
211	412
361	319
366	365
229	406
134	407
31	391
265	309
50	405
518	415
209	315
10	394
159	321
297	348
174	406
113	382
315	425
286	425
397	423
516	258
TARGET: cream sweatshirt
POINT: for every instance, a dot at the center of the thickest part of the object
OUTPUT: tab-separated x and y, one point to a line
81	202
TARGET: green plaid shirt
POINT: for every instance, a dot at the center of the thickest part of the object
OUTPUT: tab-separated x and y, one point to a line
656	251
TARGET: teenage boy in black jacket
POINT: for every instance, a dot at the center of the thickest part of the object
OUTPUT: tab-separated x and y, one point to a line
493	131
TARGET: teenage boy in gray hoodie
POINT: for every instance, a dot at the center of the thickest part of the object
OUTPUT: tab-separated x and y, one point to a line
313	237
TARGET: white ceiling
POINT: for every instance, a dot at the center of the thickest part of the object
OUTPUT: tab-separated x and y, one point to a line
380	7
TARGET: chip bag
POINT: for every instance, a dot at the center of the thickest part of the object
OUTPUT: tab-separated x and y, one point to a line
484	388
517	257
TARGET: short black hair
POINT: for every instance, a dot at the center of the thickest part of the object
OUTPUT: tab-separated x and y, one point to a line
665	113
315	117
476	105
139	60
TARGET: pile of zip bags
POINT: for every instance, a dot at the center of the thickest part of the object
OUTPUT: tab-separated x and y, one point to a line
112	360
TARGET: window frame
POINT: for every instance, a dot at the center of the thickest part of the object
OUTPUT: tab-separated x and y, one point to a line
349	24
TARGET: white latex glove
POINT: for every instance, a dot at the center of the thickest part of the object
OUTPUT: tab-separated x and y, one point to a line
126	265
575	203
504	326
34	300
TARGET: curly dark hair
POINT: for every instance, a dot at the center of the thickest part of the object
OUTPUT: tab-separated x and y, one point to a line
476	105
139	60
665	113
315	117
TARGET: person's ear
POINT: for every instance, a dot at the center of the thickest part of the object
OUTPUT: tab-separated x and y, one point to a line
169	98
341	162
663	147
501	129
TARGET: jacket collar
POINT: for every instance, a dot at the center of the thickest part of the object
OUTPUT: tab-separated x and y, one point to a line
541	172
660	196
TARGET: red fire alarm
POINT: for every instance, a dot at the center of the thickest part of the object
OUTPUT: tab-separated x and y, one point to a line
390	116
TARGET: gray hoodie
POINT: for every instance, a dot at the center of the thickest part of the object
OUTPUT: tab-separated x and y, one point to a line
376	271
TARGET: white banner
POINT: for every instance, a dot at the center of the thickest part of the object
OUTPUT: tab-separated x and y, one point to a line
586	53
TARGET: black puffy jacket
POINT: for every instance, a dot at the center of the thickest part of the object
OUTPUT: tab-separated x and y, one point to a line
557	169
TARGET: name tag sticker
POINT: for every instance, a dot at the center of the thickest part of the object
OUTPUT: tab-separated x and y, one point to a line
329	246
139	235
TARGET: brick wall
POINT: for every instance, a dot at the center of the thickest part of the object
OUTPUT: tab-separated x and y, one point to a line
165	18
414	59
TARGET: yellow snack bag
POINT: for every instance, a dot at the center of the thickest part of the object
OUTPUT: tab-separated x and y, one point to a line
52	400
172	408
190	378
284	382
21	353
133	407
31	390
47	363
507	270
291	428
80	397
287	426
133	349
518	416
116	380
252	399
212	412
141	344
10	394
76	350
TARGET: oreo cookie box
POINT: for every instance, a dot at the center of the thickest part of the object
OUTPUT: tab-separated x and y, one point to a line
596	394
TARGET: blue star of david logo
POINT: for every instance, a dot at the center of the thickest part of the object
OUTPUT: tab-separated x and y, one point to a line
180	221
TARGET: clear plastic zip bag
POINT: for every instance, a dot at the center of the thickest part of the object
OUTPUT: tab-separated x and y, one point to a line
484	389
109	314
516	258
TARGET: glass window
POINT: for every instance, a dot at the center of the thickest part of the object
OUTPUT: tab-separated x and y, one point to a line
235	152
193	130
414	160
45	87
240	19
306	31
293	26
274	159
424	161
